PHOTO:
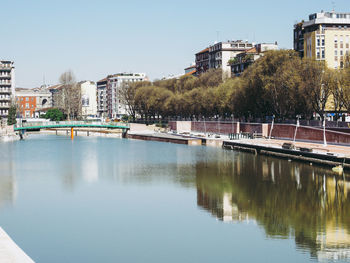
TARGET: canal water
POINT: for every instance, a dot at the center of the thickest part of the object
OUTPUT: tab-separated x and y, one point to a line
119	200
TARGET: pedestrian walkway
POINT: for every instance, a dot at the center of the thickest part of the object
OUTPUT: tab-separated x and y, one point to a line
10	252
316	147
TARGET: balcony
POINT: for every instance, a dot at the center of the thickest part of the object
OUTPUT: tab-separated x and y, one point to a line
7	91
4	106
5	99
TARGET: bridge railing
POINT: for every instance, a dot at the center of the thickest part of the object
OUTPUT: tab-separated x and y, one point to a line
68	123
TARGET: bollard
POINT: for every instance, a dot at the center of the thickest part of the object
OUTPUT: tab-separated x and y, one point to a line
71	133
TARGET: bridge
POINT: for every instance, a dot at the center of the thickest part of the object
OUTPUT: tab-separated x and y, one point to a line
27	126
34	126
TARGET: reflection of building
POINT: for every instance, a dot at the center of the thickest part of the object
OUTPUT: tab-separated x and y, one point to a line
221	206
324	37
7	86
32	101
8	189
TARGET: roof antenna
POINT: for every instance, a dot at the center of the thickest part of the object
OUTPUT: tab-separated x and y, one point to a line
333	5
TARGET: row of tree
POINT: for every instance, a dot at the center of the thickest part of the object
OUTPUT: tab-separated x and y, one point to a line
280	83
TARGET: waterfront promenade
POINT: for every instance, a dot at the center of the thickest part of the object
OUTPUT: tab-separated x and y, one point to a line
339	150
10	252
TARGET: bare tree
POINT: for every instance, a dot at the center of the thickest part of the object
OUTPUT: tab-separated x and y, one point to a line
70	95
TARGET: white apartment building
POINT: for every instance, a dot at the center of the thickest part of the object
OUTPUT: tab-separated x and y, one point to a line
109	102
88	98
102	98
220	54
7	86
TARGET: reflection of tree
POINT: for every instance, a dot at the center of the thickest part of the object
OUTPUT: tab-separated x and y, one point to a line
284	198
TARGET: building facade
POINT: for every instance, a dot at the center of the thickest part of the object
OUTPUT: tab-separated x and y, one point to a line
7	86
244	59
220	54
31	101
88	98
109	101
191	70
325	37
202	61
102	98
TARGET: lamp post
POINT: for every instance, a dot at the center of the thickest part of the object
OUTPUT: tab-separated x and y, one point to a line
324	131
233	121
296	128
205	128
273	121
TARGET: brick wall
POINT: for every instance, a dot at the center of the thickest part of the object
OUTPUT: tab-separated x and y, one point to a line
309	133
213	127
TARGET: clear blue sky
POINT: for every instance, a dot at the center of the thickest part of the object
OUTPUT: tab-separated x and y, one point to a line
96	38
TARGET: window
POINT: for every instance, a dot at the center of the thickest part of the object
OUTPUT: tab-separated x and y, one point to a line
27	99
27	105
318	53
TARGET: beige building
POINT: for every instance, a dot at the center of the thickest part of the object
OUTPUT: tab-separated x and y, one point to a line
324	37
88	98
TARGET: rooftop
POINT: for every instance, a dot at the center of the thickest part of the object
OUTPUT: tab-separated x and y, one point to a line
328	18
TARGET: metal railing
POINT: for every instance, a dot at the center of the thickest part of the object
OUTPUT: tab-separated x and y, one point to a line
70	123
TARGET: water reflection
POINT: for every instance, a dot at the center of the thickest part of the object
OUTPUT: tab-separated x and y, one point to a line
286	199
8	183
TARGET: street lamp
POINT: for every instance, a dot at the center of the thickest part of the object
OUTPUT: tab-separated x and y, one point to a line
273	121
324	131
296	128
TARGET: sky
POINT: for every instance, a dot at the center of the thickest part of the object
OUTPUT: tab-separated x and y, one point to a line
158	37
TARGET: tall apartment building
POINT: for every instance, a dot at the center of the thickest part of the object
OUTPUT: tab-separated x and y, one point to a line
102	97
109	103
324	37
202	61
220	54
244	59
7	86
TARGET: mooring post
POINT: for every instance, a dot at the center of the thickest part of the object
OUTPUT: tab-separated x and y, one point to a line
72	133
56	132
88	133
